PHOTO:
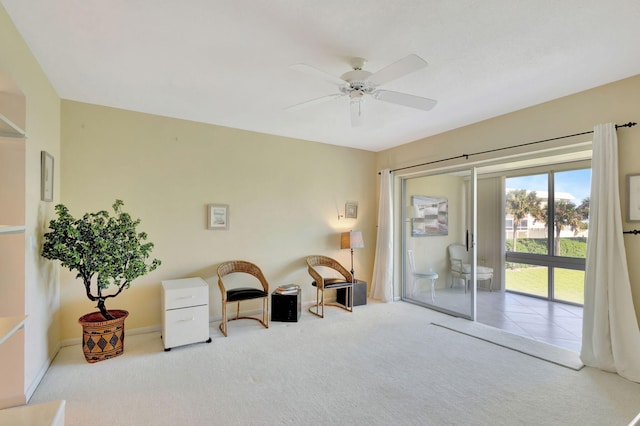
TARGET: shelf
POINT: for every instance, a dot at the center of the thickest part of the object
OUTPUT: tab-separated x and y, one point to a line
46	413
11	229
9	129
9	325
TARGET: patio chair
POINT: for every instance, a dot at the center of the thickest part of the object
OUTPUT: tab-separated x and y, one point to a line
460	267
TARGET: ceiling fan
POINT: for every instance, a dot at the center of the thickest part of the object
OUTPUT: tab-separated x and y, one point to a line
357	83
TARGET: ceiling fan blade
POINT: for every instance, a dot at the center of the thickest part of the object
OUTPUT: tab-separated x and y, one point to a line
357	112
398	69
316	101
405	99
308	69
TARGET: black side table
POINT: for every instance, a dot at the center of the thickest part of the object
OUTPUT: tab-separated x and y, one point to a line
359	294
286	307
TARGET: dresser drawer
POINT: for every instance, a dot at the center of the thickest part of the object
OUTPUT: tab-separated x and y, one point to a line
186	325
184	293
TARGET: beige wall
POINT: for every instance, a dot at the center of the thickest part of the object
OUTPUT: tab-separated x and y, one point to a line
284	196
617	102
41	332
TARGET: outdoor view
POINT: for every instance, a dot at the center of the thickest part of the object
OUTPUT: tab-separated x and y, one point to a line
546	248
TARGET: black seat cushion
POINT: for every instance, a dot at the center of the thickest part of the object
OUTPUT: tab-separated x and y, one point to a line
245	293
333	283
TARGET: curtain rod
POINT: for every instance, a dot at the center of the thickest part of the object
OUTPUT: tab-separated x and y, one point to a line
466	156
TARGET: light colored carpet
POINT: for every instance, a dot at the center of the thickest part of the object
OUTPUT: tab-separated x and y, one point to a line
541	350
383	364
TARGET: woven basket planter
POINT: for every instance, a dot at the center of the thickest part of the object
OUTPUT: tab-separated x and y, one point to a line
102	339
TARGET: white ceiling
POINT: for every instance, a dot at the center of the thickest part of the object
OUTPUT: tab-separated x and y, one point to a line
227	62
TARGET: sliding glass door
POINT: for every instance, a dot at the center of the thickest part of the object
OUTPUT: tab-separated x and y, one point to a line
439	257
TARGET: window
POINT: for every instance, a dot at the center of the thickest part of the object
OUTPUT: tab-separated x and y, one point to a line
525	198
546	232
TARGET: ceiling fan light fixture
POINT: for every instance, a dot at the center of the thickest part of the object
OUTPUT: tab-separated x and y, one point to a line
358	82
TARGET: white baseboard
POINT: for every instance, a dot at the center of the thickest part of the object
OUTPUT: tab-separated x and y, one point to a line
34	385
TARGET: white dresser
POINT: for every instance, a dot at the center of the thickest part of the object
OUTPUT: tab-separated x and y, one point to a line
185	312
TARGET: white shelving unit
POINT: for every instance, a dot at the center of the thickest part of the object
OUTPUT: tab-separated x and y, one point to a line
9	325
12	266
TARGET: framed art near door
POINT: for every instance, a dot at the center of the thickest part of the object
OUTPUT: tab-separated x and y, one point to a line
633	197
46	176
431	216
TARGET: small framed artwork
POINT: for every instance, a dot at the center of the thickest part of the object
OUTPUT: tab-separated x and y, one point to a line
351	210
218	216
46	176
633	197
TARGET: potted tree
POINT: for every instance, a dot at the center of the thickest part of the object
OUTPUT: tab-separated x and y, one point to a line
108	253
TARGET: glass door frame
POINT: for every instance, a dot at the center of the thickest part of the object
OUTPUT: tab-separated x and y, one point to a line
470	219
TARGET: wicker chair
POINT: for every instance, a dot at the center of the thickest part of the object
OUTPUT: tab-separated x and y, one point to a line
321	284
238	294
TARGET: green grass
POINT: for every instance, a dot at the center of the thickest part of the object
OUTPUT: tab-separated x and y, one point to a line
569	284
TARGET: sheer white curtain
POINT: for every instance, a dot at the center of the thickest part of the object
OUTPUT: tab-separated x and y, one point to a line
382	284
610	335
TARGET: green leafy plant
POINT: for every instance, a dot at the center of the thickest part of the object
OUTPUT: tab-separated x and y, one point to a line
102	246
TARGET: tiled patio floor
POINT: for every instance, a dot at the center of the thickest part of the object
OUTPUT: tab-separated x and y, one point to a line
556	323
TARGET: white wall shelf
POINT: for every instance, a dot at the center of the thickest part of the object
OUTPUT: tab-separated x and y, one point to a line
9	325
11	229
10	129
46	413
14	344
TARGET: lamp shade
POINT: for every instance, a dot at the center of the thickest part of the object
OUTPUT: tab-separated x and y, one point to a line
351	240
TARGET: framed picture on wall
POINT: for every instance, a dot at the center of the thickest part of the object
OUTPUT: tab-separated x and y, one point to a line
431	216
218	216
46	176
633	197
351	210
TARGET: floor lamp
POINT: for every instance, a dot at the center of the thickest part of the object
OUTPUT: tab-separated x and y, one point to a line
351	240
